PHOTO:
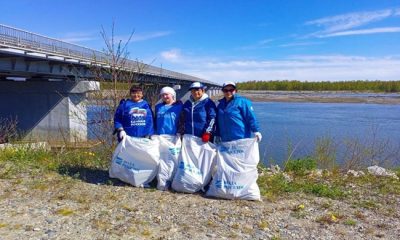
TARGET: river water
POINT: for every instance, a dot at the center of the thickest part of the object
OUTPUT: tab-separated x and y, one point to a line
291	129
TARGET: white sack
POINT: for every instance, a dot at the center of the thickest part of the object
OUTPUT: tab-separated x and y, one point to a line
170	147
135	161
236	174
196	161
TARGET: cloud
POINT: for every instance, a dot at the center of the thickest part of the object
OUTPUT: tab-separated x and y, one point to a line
172	55
397	12
264	43
79	37
351	20
139	37
149	35
363	32
300	44
341	25
305	68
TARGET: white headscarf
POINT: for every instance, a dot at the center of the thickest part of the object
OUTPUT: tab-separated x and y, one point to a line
169	90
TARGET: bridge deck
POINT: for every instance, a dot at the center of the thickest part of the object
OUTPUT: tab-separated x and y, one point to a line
13	38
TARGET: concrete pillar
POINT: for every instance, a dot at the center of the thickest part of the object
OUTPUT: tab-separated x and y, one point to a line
183	93
45	110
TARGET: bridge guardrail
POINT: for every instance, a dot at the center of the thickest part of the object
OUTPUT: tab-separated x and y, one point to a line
21	39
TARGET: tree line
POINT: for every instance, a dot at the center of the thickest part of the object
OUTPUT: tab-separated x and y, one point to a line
294	85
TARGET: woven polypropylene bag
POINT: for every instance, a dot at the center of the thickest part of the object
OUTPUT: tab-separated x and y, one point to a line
170	148
135	161
196	163
236	170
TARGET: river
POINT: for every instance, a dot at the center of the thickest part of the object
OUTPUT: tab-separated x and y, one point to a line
291	129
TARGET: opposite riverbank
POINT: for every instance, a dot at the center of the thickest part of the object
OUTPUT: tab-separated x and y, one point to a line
321	96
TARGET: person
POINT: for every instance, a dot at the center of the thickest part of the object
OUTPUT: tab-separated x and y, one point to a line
168	112
134	116
199	113
235	116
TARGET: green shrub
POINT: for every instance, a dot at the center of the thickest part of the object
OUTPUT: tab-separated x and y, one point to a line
397	171
274	185
15	160
324	190
325	152
22	160
300	166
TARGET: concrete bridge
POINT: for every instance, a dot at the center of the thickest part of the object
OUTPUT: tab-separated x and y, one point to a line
44	82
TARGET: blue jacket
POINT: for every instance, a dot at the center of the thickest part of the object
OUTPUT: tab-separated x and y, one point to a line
167	118
199	116
236	119
136	118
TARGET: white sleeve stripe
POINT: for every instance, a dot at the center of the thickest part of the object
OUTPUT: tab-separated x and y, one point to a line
210	127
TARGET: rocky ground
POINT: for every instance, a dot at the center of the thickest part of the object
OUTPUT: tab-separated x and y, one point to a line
55	206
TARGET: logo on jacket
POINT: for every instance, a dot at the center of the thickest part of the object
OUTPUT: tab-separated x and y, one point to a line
138	116
138	112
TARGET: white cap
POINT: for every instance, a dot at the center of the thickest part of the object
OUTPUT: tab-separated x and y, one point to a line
169	90
197	85
229	83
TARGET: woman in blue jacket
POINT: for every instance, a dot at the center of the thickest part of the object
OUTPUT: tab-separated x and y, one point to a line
134	116
168	112
199	113
235	115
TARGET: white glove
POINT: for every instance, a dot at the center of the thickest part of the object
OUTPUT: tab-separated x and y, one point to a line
258	136
121	134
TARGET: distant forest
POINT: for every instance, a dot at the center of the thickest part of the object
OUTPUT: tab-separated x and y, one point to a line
375	86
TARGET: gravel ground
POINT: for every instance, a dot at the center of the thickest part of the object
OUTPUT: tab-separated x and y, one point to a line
62	207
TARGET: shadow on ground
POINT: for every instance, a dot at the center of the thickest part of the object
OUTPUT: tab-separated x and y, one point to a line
90	175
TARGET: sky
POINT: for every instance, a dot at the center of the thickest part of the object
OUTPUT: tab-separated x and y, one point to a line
232	40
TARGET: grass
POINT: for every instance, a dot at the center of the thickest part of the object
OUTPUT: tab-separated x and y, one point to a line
300	176
146	233
350	222
65	211
397	171
367	204
277	184
324	190
263	225
300	167
14	161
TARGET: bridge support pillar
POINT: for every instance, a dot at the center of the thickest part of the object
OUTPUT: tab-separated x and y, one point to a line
49	111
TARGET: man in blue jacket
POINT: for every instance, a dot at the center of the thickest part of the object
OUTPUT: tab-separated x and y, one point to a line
134	116
199	113
235	115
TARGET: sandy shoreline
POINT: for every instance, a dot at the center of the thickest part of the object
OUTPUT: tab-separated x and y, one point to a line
322	97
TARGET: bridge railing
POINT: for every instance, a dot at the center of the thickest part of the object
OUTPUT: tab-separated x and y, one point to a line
21	39
30	41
